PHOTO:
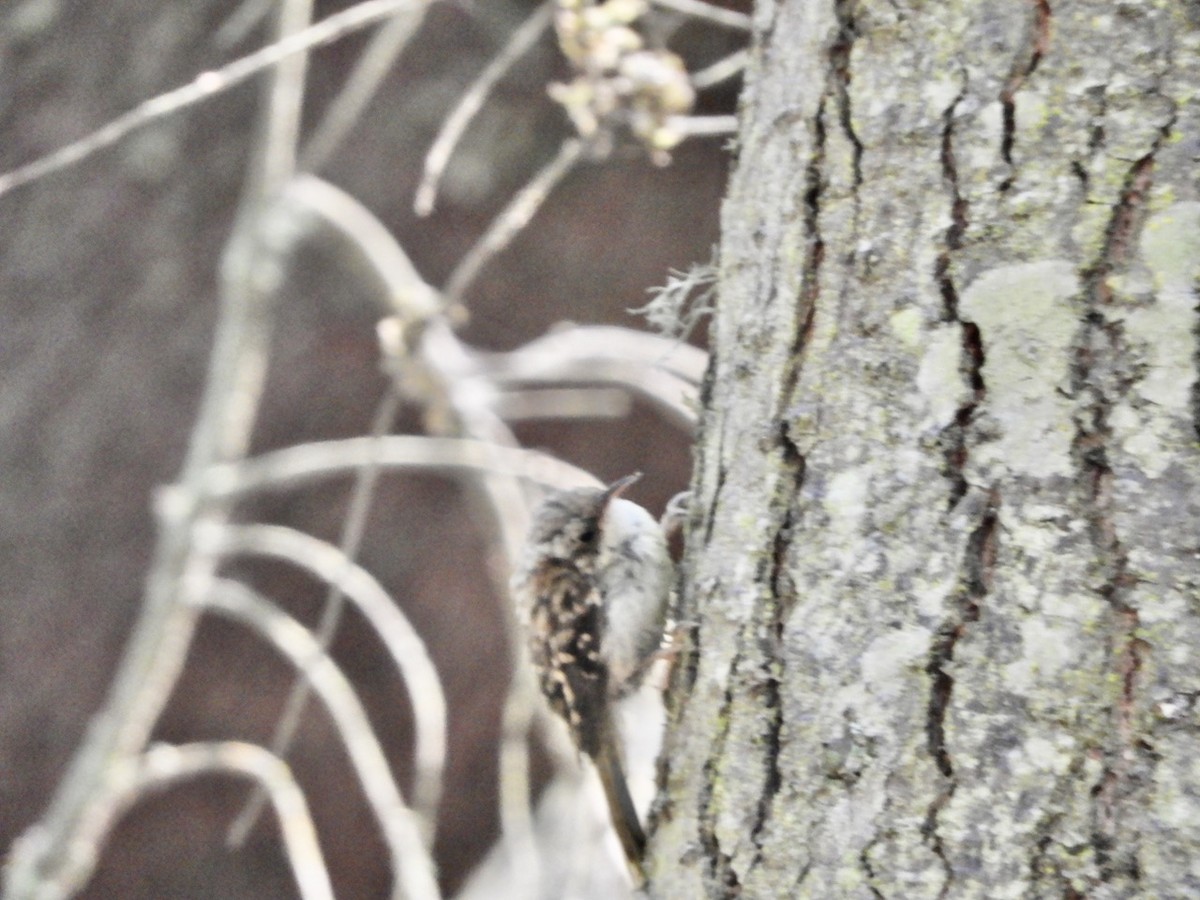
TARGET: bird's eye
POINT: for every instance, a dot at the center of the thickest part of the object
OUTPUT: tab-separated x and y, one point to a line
588	534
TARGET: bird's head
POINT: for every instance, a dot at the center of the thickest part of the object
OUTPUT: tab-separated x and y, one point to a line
568	524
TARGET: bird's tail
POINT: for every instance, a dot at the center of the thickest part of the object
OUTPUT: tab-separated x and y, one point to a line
621	810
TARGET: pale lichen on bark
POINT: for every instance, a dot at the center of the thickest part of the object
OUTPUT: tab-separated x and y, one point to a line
1027	321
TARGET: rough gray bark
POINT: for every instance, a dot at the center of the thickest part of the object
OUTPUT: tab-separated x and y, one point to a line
943	572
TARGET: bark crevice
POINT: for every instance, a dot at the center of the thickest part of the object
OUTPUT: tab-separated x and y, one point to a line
839	58
720	864
1101	377
1196	373
810	281
978	564
953	438
1036	43
783	600
772	710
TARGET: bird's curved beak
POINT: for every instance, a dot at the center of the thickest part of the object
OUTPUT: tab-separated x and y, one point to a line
617	487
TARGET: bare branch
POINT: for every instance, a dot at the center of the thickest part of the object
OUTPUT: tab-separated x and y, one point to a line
665	371
515	216
456	123
703	126
562	403
401	827
709	13
164	764
305	463
376	61
569	348
274	161
405	646
408	294
464	392
205	85
59	851
460	405
721	70
465	382
331	612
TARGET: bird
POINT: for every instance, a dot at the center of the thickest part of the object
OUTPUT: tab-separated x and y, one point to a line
592	590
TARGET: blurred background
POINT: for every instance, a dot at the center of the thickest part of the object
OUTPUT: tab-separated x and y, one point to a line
108	275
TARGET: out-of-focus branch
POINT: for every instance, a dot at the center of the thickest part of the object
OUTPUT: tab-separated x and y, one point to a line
562	403
515	216
56	855
205	85
716	14
456	123
375	62
465	395
306	463
703	126
456	405
667	372
162	765
411	863
315	203
331	613
421	681
721	70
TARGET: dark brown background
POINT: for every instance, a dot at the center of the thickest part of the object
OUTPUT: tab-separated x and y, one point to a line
107	280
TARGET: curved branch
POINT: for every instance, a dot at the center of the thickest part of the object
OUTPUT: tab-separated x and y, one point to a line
411	862
405	646
663	370
369	241
164	764
304	463
373	65
203	86
456	123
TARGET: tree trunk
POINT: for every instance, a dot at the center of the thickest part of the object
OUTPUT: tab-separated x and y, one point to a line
942	575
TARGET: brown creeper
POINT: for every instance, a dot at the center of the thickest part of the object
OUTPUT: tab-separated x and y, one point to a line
593	589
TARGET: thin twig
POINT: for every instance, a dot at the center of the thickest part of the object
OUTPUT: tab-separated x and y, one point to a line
374	63
348	580
723	69
555	353
362	234
203	86
513	218
715	14
703	126
331	613
306	463
57	854
411	863
456	123
562	403
664	371
164	764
